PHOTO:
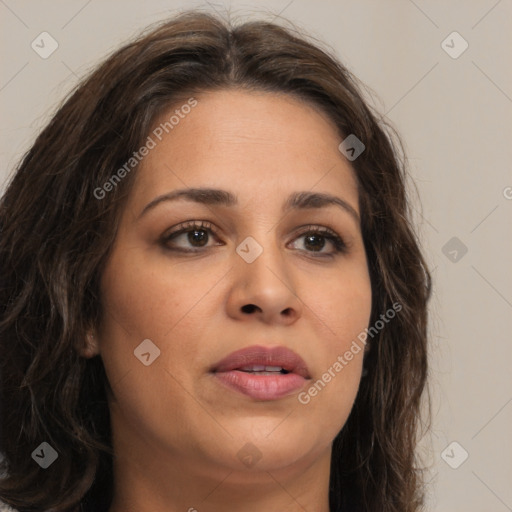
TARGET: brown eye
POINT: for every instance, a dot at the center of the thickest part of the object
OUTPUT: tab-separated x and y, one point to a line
315	241
189	236
197	236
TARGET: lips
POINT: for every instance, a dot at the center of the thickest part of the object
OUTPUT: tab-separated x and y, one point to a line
263	373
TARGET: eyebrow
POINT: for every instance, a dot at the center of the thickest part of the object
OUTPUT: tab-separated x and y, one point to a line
218	197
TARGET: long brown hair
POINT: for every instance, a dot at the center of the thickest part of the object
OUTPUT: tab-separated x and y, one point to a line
56	234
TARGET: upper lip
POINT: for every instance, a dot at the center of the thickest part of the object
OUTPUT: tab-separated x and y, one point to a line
267	356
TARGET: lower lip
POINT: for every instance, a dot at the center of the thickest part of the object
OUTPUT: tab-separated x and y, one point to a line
262	387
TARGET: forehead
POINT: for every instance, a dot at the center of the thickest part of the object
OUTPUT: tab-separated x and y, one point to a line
259	143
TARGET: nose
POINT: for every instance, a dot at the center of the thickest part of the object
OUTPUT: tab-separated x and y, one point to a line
265	288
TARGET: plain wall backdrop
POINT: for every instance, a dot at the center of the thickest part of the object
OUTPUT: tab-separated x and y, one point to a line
450	97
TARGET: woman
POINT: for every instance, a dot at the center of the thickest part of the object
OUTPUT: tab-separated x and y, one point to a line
212	296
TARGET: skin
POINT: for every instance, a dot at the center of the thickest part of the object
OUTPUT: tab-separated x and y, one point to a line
177	431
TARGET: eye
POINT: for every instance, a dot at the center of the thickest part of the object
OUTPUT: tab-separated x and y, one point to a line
315	240
194	234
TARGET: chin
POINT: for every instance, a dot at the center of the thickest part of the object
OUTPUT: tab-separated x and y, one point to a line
270	444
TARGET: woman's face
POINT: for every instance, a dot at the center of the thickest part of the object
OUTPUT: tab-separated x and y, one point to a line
253	275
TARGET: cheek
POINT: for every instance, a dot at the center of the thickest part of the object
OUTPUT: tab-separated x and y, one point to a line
342	313
142	302
342	308
152	299
152	296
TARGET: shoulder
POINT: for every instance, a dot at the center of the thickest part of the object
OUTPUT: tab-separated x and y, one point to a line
6	508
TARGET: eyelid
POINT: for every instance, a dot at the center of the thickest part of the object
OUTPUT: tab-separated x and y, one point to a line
317	228
187	226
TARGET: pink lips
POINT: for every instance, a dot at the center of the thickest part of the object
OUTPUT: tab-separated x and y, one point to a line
263	373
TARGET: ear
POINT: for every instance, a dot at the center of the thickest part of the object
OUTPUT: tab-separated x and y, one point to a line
89	347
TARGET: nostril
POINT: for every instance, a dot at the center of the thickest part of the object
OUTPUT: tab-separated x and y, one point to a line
249	308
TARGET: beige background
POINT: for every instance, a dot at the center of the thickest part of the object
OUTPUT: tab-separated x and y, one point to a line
455	116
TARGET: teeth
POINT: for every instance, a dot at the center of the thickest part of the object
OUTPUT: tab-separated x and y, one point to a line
253	368
261	368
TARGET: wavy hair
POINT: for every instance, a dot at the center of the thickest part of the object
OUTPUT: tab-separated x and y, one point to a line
56	236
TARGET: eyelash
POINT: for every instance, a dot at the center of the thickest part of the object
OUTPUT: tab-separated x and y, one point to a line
340	247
